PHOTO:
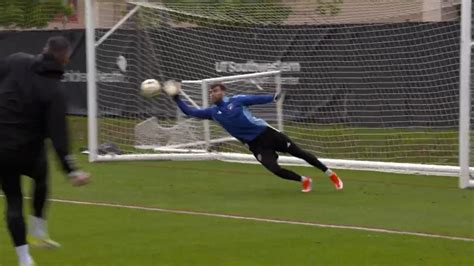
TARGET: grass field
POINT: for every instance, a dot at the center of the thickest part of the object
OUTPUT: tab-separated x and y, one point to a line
154	233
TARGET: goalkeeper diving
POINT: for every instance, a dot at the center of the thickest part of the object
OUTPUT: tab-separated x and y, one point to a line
263	141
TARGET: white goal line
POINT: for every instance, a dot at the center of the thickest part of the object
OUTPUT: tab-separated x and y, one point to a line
261	219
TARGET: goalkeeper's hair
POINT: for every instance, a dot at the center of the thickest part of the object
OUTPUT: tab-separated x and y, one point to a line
57	45
220	85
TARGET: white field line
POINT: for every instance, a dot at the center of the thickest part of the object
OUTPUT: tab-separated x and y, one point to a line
266	220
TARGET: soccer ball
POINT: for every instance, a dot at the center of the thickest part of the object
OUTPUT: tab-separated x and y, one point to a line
172	88
150	88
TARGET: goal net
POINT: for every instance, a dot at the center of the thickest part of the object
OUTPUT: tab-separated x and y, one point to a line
187	135
368	86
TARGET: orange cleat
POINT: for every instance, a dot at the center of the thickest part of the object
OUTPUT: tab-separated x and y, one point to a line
307	184
336	181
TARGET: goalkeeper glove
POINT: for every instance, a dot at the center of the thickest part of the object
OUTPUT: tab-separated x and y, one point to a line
279	95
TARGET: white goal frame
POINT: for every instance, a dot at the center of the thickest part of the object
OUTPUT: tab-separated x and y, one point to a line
204	84
465	107
462	170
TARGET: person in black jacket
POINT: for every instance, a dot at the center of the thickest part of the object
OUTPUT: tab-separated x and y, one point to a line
32	109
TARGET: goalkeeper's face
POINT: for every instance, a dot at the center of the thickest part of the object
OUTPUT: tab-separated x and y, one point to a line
216	93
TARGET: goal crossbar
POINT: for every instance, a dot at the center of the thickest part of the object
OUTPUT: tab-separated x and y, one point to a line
233	77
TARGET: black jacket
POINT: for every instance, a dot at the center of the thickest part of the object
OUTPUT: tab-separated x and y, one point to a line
32	108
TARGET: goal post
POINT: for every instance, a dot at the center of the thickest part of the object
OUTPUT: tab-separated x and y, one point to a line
383	87
92	112
465	92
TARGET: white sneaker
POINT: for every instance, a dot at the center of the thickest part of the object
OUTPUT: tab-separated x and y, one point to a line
31	263
42	242
38	234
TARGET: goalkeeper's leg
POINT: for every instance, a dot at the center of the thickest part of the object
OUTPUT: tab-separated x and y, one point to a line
269	159
40	193
38	230
11	186
283	143
296	151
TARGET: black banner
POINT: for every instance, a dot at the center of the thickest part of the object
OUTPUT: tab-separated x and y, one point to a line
359	75
74	82
362	75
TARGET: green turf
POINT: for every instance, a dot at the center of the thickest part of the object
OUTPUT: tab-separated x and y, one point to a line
94	235
428	204
111	236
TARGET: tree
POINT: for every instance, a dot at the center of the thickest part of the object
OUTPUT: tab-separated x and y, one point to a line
31	13
329	7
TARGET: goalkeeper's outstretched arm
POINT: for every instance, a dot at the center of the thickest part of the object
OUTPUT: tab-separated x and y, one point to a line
256	99
205	113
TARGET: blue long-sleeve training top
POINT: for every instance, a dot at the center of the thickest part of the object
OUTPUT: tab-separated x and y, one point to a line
233	115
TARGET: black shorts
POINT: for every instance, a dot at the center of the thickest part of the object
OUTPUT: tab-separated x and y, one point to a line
268	143
35	168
